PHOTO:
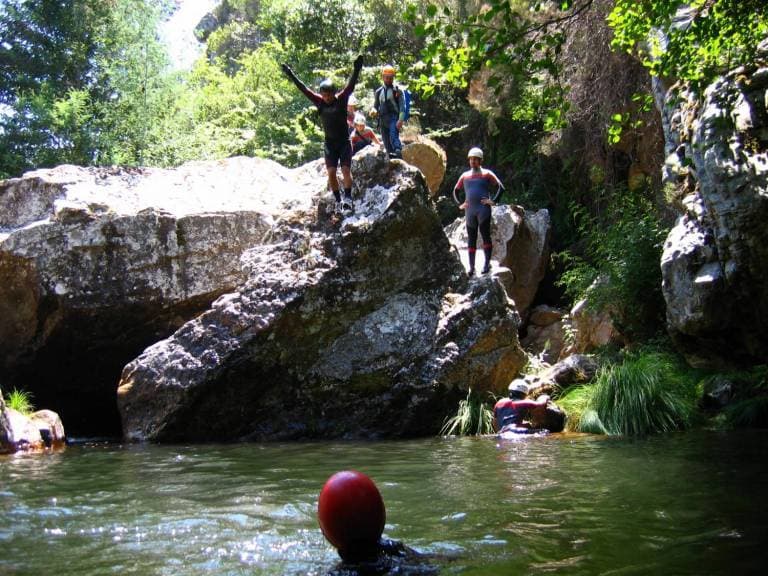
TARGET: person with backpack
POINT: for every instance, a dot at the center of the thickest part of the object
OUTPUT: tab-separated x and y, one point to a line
332	107
362	135
390	107
476	184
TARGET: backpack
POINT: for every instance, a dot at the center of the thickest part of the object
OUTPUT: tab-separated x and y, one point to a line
402	97
406	103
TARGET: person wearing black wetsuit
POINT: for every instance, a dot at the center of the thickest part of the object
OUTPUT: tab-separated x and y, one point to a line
476	183
332	107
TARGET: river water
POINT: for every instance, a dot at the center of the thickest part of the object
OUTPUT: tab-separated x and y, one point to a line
688	503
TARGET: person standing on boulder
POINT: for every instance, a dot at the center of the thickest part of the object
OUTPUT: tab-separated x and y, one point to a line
389	107
476	183
332	107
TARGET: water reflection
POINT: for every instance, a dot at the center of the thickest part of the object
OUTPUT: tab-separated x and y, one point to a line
683	504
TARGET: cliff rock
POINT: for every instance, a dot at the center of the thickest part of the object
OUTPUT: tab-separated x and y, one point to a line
97	264
364	329
715	259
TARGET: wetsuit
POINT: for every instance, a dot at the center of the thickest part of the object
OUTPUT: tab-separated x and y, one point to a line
511	414
477	186
386	100
337	149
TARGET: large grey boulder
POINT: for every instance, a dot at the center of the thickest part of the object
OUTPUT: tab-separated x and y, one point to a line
715	259
521	243
370	330
97	264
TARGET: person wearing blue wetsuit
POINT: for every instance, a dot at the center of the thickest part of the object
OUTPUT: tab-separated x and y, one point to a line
476	183
332	107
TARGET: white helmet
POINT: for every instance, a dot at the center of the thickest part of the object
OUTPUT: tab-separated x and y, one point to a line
519	386
352	101
359	118
475	153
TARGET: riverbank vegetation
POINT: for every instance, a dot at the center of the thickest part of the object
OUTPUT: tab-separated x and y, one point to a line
474	417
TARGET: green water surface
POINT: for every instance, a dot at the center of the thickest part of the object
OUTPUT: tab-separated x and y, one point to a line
688	503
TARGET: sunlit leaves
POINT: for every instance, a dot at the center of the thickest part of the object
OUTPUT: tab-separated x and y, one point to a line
701	38
518	41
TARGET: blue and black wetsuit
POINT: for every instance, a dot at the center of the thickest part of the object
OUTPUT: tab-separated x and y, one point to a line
477	187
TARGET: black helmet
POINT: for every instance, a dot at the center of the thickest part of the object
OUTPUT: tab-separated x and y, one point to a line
327	85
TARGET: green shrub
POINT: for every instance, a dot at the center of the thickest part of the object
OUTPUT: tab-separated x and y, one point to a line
621	243
645	393
20	401
473	417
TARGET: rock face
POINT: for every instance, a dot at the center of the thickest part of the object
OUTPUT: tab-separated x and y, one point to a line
97	264
520	243
546	335
715	260
367	330
42	429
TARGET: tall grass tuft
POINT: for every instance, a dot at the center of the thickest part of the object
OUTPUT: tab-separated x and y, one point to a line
473	417
645	394
576	403
20	401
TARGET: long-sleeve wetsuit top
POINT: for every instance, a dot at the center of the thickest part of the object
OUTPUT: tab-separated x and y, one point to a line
477	186
508	412
333	114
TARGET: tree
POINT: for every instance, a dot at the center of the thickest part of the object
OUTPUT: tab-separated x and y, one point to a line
80	80
515	44
692	40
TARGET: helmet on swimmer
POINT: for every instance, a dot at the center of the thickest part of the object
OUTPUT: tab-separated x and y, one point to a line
518	388
327	85
475	153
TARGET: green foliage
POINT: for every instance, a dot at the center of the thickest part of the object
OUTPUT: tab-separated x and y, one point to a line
518	43
646	392
622	243
576	403
108	97
703	37
473	417
83	81
20	400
